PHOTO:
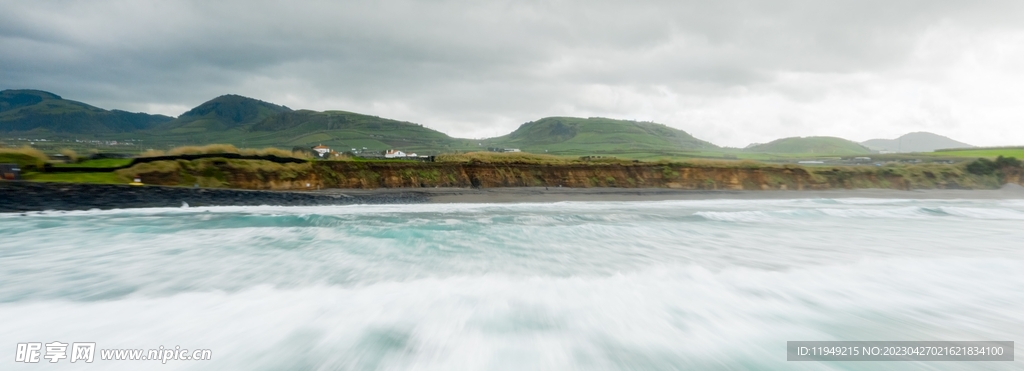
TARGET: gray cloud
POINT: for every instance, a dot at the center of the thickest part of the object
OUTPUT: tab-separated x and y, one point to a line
729	71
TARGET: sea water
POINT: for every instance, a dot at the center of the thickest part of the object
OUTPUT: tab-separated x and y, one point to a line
667	285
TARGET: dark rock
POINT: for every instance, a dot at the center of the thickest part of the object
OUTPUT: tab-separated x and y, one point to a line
29	196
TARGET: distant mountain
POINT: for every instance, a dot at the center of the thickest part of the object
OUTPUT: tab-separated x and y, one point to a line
40	111
597	135
915	142
223	113
811	145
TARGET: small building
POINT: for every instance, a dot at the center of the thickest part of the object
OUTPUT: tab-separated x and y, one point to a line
411	155
394	153
10	172
321	150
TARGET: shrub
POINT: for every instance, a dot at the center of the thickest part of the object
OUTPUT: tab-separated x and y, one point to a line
70	153
225	148
25	156
153	153
982	166
202	150
504	158
1002	162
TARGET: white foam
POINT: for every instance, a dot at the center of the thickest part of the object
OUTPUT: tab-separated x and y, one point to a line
984	213
596	286
736	216
680	315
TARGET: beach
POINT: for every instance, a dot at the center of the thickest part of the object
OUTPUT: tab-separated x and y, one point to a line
29	196
561	194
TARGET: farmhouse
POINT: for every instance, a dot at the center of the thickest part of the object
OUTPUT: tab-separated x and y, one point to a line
322	151
394	153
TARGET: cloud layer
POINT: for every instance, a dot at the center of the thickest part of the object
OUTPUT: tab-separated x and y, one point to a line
732	72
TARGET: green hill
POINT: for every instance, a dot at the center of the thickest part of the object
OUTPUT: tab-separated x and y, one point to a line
40	111
222	113
595	135
921	141
810	145
346	130
247	122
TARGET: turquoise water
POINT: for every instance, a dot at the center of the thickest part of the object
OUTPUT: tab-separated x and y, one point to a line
668	285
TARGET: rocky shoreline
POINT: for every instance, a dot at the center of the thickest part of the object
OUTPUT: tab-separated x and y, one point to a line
31	196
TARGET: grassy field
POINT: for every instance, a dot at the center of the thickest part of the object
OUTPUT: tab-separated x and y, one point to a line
1017	152
96	178
103	162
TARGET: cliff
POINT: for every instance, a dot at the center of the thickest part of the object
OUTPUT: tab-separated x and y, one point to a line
255	174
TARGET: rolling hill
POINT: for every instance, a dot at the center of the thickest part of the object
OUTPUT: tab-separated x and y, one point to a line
811	145
40	112
247	122
915	142
222	113
596	135
347	130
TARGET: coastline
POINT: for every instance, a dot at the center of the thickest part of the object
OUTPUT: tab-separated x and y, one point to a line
30	196
560	194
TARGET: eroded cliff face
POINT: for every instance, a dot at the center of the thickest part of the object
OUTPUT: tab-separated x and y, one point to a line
1013	176
396	175
679	176
251	174
226	173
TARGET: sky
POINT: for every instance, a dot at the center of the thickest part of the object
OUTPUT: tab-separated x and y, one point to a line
732	72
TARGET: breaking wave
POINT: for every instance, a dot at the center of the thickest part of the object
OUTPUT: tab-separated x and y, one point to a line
713	284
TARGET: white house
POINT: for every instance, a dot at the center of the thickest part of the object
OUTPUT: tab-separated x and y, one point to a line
394	153
322	150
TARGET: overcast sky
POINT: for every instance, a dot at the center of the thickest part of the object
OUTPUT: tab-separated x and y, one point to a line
731	72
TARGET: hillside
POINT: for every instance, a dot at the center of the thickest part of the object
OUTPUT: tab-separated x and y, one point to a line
41	112
247	122
346	130
811	145
222	113
595	135
915	142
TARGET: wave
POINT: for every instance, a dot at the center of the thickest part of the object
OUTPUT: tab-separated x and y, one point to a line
661	318
910	212
582	207
984	213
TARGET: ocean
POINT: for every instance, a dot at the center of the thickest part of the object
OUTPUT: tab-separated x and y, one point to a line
666	285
